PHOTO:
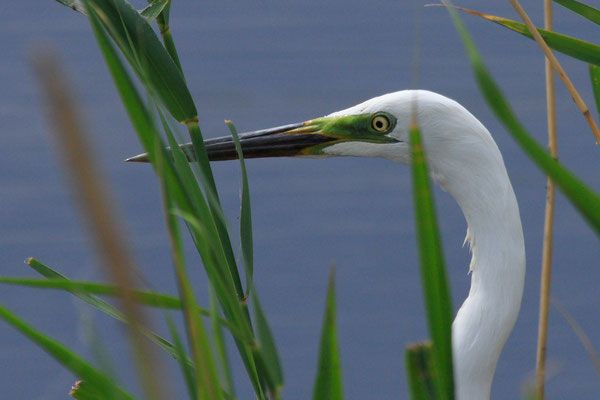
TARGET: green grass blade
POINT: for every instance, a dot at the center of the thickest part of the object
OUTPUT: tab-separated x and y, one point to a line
77	365
220	346
584	199
153	10
186	368
103	306
568	45
150	60
83	390
584	10
243	344
139	115
419	371
214	203
245	213
206	376
205	243
144	297
433	272
267	347
74	5
595	78
206	235
165	32
213	256
328	383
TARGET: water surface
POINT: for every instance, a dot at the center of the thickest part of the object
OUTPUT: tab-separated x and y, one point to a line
268	64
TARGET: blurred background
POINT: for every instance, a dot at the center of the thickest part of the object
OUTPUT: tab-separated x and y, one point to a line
270	63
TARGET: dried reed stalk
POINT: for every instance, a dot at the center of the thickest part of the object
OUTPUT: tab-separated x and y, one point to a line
559	70
546	274
102	223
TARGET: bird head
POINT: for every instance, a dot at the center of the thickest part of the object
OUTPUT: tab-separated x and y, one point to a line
455	141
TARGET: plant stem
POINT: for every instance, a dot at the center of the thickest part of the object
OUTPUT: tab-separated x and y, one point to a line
165	32
559	70
102	221
546	274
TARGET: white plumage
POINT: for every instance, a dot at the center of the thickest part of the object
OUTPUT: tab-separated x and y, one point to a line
465	161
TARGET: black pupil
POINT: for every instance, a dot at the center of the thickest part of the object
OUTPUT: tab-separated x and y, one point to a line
379	124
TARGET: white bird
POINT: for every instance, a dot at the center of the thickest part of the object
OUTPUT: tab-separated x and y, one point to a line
464	160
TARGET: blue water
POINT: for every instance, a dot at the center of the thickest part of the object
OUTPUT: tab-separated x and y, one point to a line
268	64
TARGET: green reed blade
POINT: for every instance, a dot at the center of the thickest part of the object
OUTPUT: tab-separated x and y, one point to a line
580	49
220	345
153	10
77	365
582	197
83	390
328	383
433	273
245	213
208	386
148	298
584	10
101	305
419	370
266	346
148	57
187	369
594	71
141	120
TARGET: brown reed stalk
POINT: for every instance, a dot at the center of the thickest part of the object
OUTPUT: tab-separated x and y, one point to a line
558	68
581	335
102	222
546	274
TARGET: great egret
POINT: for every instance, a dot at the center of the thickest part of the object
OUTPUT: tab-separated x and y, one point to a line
465	161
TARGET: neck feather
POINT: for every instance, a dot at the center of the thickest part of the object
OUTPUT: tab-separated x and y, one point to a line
486	318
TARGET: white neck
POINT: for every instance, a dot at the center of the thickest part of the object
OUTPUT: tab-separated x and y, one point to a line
486	318
465	161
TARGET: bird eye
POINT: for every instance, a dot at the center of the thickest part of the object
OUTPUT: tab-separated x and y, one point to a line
380	123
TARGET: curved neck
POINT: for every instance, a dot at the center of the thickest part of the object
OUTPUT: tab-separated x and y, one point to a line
486	318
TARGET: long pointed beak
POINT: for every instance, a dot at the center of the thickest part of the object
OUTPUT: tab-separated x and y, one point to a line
282	141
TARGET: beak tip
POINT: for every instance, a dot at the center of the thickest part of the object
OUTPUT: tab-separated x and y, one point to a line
138	158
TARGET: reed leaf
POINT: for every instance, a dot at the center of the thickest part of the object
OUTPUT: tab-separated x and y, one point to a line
77	365
153	10
150	140
245	212
220	346
267	348
138	42
203	226
583	198
103	306
83	390
144	297
205	370
594	71
419	370
433	272
187	369
206	376
213	256
155	67
328	383
207	179
576	48
584	10
75	5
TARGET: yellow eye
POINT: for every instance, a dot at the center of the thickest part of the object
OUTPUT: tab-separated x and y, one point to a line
381	123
